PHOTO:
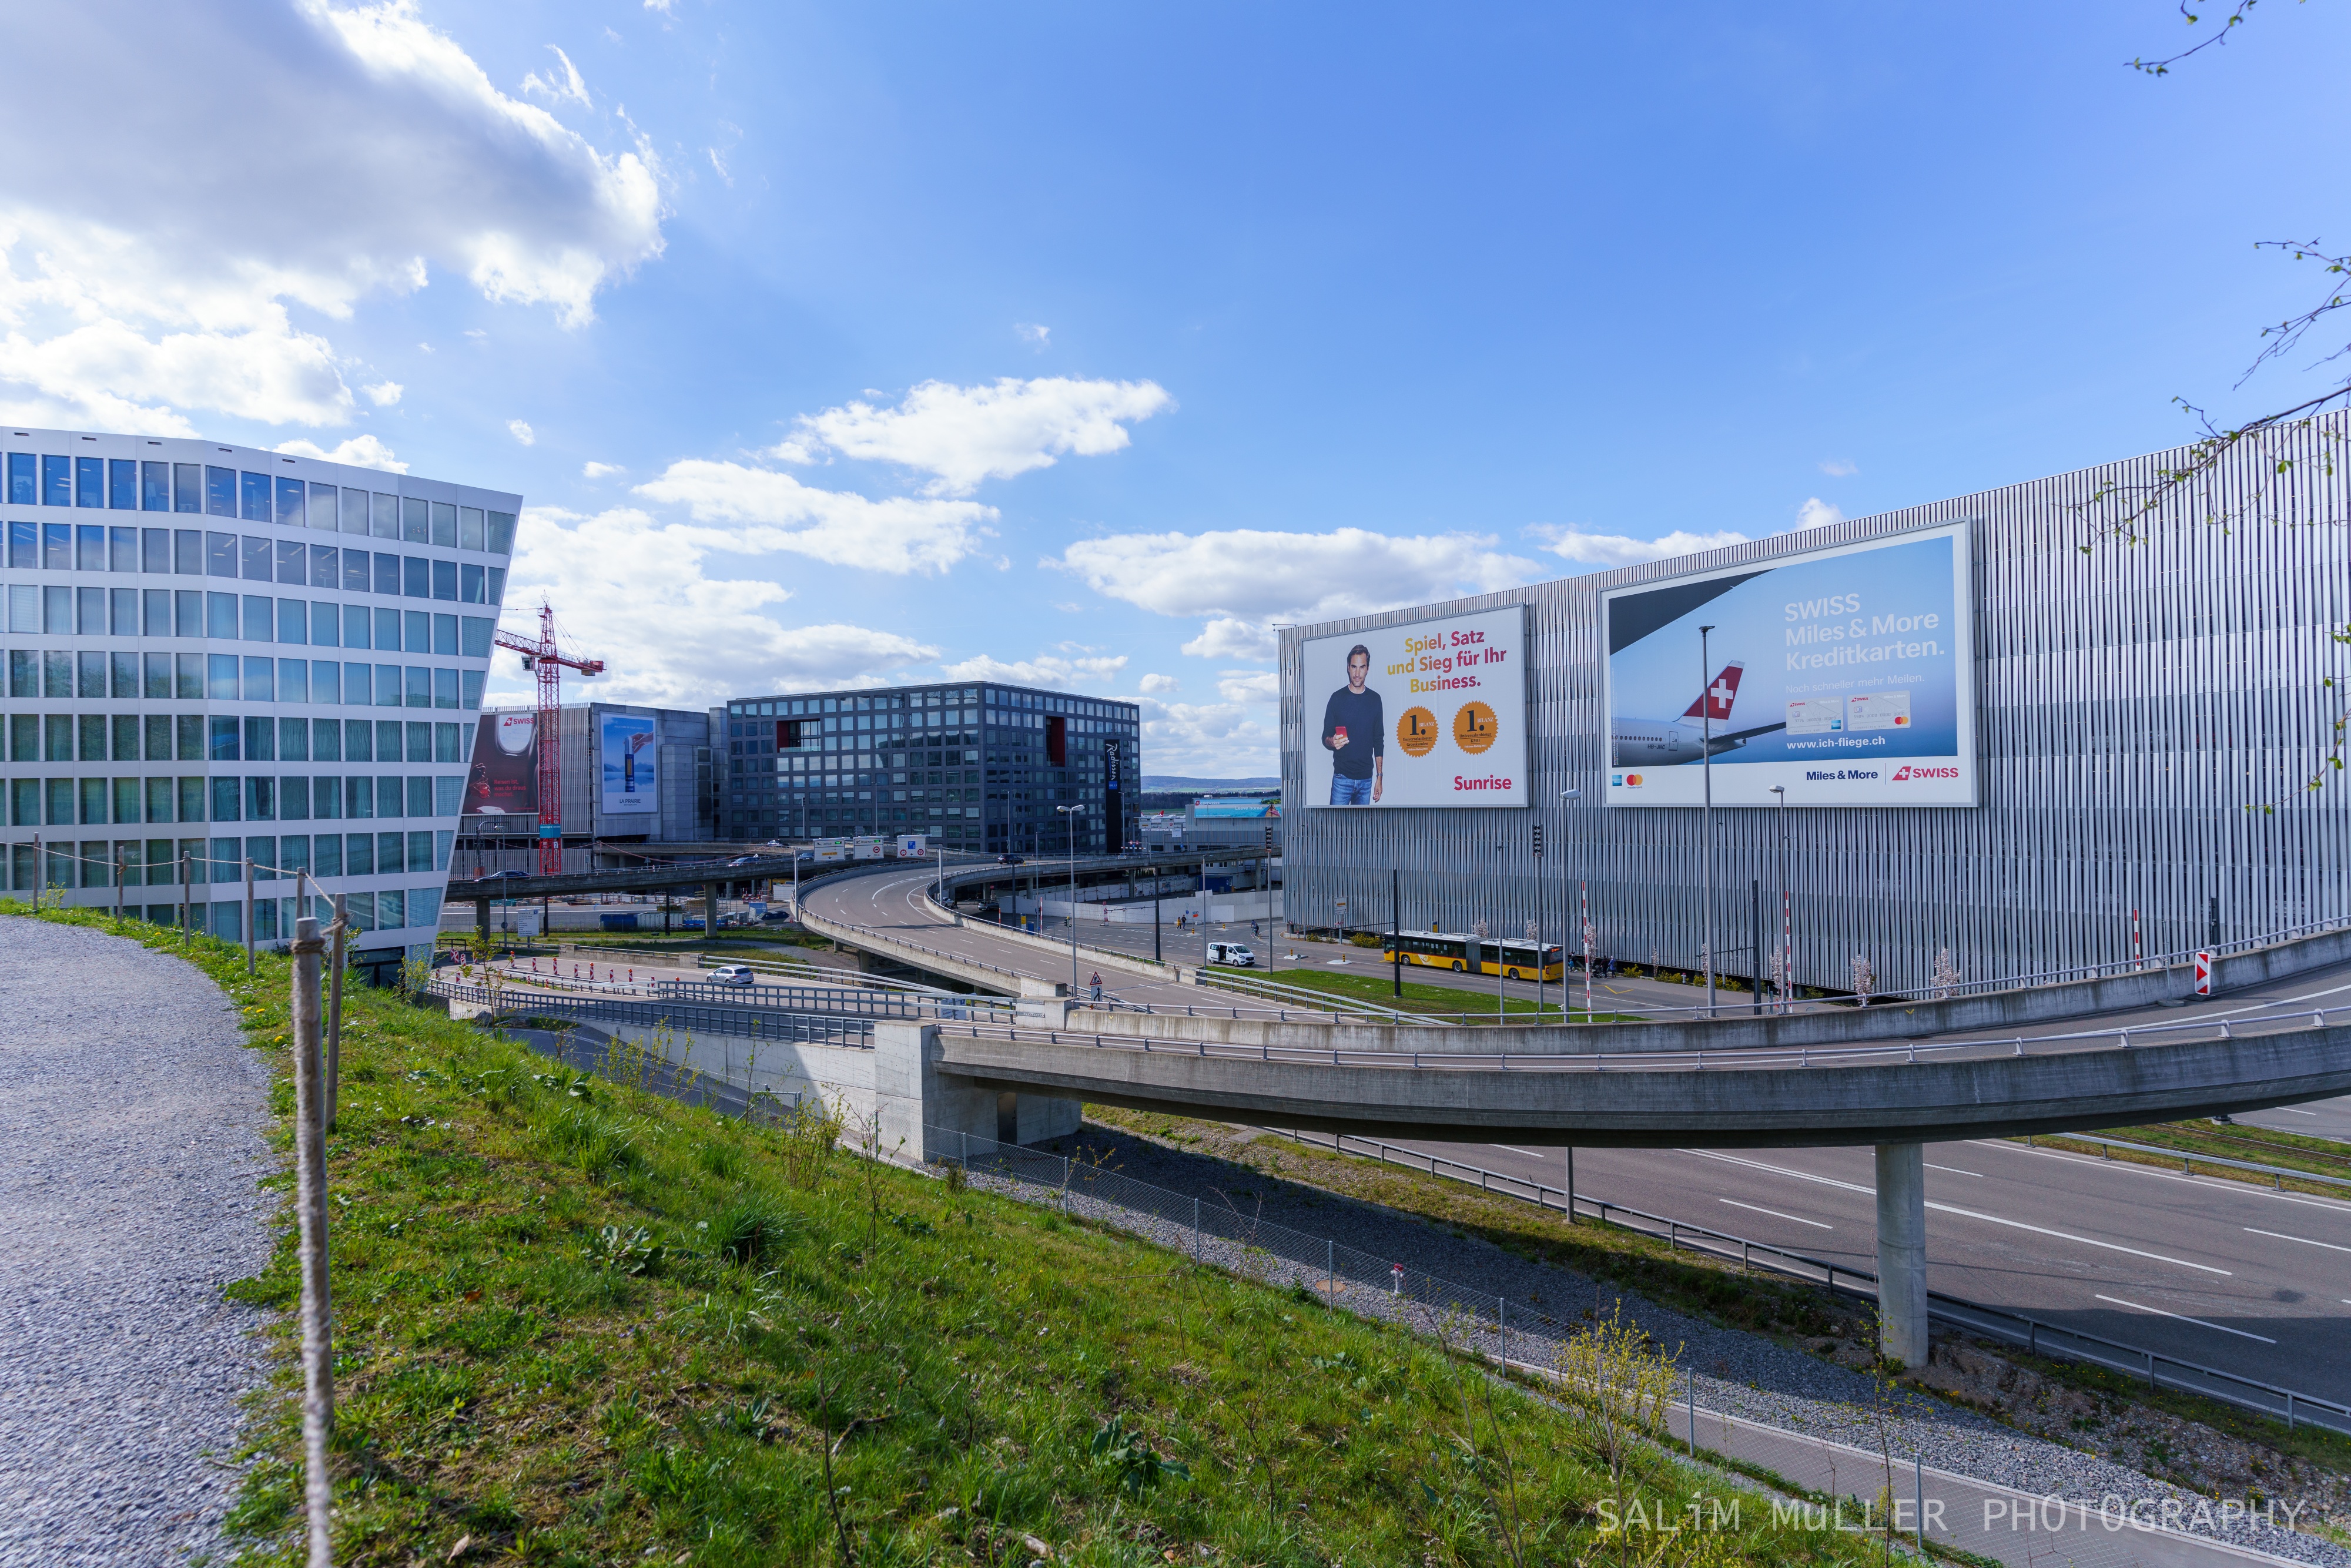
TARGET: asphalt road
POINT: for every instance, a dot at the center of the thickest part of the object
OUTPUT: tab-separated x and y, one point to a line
2254	1283
2319	1119
2233	1276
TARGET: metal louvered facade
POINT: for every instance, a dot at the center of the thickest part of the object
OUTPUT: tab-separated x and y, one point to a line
2150	717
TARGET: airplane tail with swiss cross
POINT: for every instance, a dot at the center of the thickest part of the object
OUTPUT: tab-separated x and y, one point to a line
1718	696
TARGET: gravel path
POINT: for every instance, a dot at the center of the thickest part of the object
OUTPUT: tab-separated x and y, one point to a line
1742	1372
133	1119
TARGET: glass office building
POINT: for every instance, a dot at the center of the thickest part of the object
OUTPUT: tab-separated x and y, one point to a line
974	766
216	653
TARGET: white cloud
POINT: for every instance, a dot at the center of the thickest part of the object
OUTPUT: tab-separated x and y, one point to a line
383	394
1817	513
1033	334
556	89
1209	740
1839	467
364	450
1620	549
640	595
1072	667
521	431
1230	637
1244	579
665	7
965	434
719	163
776	512
1159	685
139	279
599	470
1249	686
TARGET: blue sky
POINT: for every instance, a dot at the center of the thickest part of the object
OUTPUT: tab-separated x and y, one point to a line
1084	344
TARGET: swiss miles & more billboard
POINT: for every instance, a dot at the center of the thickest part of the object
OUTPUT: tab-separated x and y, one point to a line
1845	676
1433	713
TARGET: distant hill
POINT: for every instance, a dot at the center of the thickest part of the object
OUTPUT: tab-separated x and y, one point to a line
1175	781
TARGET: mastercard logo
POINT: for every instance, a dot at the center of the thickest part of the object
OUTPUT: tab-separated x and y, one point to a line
1632	781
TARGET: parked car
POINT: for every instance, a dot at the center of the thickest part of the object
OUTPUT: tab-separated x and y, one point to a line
732	974
1233	953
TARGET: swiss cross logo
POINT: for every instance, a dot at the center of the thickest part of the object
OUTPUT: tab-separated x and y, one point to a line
1907	774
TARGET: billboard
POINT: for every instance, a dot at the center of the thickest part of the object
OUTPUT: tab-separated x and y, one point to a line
1432	713
503	781
1845	676
625	754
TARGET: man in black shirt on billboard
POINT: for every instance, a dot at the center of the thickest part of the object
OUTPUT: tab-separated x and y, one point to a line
1355	731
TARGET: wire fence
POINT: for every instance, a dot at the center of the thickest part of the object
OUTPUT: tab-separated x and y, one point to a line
1855	1488
2037	1335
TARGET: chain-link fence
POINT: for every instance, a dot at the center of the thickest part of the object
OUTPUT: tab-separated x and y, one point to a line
1838	1485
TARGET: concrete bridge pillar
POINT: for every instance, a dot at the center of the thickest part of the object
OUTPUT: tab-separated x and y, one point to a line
709	909
1902	1253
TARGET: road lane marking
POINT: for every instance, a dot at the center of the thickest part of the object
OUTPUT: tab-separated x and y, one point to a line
2085	1241
1781	1170
1507	1149
1954	1170
2291	1111
2305	1241
2183	1317
1966	1213
1775	1214
2209	1184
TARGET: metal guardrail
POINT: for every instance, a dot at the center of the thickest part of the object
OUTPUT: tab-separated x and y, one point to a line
802	1028
2289	1020
819	924
840	1000
822	972
2037	1335
2186	1158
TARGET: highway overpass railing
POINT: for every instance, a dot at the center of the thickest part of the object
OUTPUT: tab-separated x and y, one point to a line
2036	1336
799	1028
840	1000
2280	1020
796	969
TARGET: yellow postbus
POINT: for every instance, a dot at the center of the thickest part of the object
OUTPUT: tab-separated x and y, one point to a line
1465	954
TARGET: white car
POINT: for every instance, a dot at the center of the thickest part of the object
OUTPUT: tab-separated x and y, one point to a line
732	974
1232	953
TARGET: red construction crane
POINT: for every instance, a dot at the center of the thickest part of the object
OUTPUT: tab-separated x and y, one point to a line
547	662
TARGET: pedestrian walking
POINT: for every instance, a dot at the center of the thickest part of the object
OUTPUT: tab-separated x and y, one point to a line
1093	986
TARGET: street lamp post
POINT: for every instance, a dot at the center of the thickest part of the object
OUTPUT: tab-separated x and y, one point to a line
1571	793
1706	766
1787	959
1071	813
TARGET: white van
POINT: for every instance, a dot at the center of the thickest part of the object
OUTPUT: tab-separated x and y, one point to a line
1232	953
